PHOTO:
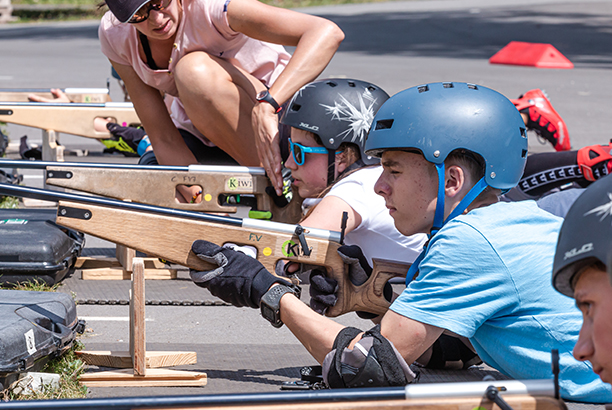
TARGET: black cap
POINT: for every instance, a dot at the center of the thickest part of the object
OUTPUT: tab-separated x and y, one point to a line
586	235
125	9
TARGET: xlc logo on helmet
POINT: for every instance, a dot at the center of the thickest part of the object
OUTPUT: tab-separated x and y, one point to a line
309	127
587	247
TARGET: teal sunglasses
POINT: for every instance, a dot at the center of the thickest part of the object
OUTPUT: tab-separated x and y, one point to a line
299	151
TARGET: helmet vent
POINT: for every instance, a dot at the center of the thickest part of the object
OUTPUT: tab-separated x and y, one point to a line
448	85
295	107
371	88
332	83
351	84
472	86
423	88
383	124
524	153
523	132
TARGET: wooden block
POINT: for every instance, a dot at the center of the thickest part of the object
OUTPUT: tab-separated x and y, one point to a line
123	359
125	256
96	262
37	203
154	377
121	274
51	150
88	262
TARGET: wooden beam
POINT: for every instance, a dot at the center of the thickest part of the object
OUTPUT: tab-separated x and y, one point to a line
123	359
154	377
119	273
137	318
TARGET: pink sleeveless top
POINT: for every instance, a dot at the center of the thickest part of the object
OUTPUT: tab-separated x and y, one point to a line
203	27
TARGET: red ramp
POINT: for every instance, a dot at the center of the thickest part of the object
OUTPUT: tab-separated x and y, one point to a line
540	55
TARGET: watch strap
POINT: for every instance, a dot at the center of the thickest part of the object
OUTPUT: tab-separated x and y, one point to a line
264	96
270	302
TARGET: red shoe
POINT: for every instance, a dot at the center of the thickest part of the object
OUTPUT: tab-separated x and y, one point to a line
594	161
543	119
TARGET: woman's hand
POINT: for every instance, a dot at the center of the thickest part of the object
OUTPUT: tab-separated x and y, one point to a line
188	194
58	97
265	127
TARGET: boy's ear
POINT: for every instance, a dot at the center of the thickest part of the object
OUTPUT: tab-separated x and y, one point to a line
455	180
342	162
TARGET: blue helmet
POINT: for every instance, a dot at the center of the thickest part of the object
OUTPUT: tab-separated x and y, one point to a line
438	118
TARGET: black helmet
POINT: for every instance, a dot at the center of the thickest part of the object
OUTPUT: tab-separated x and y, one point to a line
586	235
337	110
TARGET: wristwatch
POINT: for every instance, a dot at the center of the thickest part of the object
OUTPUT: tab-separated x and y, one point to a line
270	302
266	97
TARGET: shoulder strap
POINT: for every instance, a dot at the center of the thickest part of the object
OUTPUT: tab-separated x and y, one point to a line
147	50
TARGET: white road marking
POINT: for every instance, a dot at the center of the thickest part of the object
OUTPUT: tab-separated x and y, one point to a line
109	319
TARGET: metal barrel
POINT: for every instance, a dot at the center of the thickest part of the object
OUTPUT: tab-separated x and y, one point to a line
55	196
536	387
428	391
26	164
124	403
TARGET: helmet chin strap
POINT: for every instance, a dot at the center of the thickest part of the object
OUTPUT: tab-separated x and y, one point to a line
439	220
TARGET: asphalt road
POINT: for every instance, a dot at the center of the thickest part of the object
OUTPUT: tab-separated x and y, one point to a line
395	45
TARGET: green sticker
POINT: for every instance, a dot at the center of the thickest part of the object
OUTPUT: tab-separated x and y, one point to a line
290	248
232	183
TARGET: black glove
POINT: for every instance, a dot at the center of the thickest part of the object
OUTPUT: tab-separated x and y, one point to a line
240	279
323	289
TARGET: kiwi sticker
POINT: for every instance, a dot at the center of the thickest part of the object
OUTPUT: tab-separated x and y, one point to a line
234	183
290	248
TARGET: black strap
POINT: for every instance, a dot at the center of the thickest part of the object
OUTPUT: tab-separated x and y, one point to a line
386	358
343	339
331	166
147	50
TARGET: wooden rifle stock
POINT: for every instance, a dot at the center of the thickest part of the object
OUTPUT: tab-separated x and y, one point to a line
69	118
156	185
169	233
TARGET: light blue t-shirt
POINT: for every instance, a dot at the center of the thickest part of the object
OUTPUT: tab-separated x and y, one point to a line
487	276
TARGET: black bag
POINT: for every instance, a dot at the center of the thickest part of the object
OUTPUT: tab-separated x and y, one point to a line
34	247
34	327
4	141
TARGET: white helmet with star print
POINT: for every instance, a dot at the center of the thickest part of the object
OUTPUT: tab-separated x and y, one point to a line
337	110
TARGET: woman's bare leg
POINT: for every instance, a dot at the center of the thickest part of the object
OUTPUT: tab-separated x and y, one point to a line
218	98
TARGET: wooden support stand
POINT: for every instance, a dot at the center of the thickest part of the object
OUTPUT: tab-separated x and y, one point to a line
121	267
51	150
144	366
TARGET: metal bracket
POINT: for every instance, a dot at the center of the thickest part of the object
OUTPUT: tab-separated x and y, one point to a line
76	213
59	174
